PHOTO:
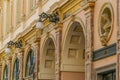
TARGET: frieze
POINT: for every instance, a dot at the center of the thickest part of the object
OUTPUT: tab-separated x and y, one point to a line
104	52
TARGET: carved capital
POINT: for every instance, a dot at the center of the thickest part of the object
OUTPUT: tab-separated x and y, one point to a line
37	41
10	58
88	6
58	27
21	50
38	33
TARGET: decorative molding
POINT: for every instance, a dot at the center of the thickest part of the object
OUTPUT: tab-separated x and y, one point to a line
72	53
73	68
75	39
104	52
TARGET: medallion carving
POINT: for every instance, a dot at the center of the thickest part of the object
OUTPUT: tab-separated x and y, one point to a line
105	24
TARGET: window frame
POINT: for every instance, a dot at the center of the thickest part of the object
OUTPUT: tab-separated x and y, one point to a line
29	70
16	68
5	73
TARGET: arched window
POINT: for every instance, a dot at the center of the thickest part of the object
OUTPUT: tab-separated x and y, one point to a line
30	63
5	74
16	70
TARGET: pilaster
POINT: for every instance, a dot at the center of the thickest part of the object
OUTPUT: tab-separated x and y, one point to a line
118	41
89	10
37	54
20	56
58	51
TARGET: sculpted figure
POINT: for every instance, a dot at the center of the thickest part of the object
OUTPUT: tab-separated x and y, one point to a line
105	28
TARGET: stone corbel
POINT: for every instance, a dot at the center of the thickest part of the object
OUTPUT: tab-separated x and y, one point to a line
38	34
87	3
58	27
89	7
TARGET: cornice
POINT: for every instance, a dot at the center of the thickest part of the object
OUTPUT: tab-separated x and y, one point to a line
57	5
29	28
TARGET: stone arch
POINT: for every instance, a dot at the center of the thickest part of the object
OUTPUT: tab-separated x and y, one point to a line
46	38
13	60
75	19
27	50
48	59
73	51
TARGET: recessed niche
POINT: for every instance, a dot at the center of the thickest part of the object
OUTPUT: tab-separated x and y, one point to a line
72	53
75	39
77	28
50	52
48	63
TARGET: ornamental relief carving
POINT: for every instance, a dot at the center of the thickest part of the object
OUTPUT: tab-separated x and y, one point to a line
105	24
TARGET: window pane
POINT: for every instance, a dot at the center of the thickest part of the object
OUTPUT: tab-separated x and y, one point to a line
109	76
114	76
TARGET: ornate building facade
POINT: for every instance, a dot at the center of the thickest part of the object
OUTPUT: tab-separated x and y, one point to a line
82	45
